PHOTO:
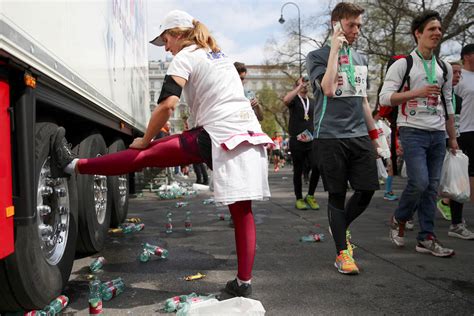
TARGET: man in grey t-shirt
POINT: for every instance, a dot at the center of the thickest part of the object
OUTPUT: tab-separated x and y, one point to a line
342	118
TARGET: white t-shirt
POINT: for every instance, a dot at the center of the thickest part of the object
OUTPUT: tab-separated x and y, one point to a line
417	112
217	103
465	89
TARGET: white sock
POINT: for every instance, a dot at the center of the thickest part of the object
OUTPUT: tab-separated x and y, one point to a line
71	167
240	282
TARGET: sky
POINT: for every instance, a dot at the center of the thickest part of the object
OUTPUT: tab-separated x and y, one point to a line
241	27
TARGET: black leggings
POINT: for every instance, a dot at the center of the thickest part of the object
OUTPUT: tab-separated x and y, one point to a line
341	216
300	153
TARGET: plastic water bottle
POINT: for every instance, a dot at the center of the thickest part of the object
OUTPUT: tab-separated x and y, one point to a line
97	264
169	223
95	299
144	256
35	312
127	228
139	227
157	251
110	292
110	283
181	204
312	238
224	217
57	305
208	201
187	222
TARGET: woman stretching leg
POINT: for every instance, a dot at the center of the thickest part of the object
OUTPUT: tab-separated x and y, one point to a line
227	136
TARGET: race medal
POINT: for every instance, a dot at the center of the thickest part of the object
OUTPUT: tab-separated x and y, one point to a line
306	117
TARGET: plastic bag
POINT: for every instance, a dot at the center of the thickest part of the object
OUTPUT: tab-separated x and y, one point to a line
454	183
403	172
236	306
381	170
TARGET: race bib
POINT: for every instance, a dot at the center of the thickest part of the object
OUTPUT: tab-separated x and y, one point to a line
429	105
345	89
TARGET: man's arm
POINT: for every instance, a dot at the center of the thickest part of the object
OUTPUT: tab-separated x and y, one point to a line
257	108
159	117
452	142
329	81
293	93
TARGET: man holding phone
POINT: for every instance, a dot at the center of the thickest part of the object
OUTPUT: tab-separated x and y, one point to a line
344	131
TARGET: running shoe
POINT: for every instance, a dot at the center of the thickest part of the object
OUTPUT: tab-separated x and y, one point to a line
233	287
409	225
389	196
397	232
301	204
460	231
61	154
276	169
432	246
311	201
345	263
444	209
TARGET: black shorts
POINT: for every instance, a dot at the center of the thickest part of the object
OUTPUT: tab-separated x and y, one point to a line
466	143
346	159
277	152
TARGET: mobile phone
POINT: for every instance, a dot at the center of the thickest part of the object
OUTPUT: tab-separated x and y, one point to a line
337	26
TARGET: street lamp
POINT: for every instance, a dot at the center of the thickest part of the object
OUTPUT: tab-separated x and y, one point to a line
282	20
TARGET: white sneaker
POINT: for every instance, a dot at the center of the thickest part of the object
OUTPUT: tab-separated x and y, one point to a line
397	232
409	225
460	231
432	246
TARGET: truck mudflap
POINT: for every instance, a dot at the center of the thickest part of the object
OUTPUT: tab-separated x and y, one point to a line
6	203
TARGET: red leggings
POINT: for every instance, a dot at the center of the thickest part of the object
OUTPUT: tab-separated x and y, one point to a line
172	151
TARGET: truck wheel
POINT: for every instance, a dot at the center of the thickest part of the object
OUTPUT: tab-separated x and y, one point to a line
40	267
118	189
94	207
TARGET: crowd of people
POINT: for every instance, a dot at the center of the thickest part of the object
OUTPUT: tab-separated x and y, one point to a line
336	133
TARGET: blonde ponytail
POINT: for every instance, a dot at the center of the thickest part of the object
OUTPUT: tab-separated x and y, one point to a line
199	35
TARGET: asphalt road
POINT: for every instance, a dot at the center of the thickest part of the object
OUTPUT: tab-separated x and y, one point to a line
290	277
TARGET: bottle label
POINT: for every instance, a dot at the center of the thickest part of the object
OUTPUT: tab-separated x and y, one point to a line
344	60
95	307
188	224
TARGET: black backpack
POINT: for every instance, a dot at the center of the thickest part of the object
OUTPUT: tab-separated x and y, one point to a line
387	111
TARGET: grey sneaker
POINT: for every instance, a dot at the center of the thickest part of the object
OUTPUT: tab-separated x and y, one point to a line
61	154
397	232
433	246
460	231
409	225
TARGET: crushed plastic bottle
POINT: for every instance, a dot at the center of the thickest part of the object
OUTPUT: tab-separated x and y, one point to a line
188	225
208	201
127	228
97	264
224	217
312	238
181	304
35	312
139	227
57	305
181	204
157	251
112	291
169	223
111	283
95	299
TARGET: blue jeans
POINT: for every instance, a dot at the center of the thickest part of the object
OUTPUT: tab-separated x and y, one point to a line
423	152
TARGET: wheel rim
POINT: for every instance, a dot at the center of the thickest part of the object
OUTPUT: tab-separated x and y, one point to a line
52	208
123	182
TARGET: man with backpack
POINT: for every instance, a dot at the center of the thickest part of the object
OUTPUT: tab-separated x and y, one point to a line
425	112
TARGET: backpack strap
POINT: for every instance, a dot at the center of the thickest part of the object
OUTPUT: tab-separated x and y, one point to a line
445	78
406	77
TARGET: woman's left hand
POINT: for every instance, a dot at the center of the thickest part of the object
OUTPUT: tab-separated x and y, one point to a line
139	143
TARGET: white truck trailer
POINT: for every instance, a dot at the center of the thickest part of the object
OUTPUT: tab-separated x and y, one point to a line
82	65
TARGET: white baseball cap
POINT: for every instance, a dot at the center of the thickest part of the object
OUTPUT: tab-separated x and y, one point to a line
175	18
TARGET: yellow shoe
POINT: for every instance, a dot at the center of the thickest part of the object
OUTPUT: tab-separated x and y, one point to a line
345	263
350	247
311	201
301	204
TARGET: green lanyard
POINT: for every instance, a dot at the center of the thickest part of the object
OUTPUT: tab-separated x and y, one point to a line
430	76
454	101
350	71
